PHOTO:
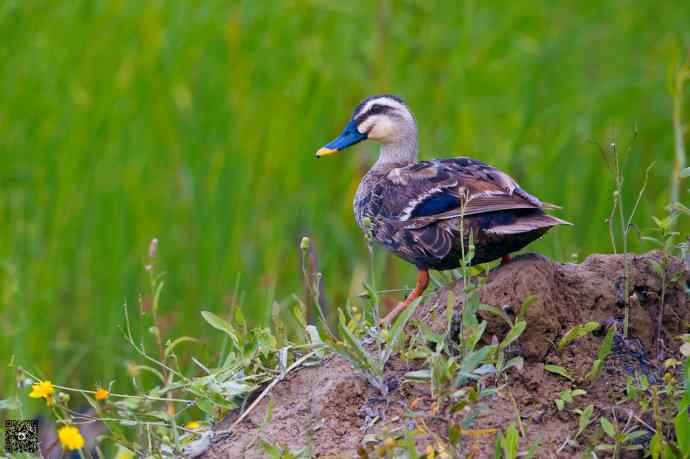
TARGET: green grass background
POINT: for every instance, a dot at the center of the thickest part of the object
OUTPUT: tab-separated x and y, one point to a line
197	123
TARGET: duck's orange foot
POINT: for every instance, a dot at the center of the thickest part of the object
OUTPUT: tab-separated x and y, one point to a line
505	259
422	283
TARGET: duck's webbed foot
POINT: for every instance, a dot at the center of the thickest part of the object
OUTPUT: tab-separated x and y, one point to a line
422	283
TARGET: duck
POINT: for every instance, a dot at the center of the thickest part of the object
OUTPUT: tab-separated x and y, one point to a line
428	212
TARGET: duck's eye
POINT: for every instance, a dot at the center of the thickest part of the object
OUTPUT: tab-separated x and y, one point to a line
376	108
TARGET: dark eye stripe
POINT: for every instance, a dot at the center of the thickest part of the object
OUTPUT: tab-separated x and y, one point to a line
375	109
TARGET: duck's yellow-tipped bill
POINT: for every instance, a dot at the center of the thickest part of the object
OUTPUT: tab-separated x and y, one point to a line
325	152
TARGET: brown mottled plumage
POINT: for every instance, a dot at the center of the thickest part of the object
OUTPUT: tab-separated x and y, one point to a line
423	211
502	216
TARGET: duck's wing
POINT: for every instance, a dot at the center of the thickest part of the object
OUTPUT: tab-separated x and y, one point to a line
421	199
429	191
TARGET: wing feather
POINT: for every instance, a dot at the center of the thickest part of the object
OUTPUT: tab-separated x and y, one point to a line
429	191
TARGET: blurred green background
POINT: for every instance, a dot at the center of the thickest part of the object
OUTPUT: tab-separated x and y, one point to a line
197	123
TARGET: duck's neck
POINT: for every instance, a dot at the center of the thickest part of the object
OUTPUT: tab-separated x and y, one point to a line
397	154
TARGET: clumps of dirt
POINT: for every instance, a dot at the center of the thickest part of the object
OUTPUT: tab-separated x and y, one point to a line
569	294
331	408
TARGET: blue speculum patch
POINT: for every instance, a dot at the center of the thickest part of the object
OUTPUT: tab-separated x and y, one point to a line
436	204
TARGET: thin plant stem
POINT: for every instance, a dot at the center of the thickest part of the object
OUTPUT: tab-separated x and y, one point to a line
624	235
682	76
639	195
610	221
111	394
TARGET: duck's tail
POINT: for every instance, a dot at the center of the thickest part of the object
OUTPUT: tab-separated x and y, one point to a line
550	206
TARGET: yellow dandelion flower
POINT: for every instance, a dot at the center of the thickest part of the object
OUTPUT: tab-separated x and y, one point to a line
430	453
193	425
102	394
43	389
70	437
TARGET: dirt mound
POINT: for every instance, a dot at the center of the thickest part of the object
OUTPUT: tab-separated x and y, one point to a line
569	294
331	408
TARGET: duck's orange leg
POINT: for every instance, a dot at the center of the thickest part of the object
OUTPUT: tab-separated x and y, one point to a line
422	284
505	259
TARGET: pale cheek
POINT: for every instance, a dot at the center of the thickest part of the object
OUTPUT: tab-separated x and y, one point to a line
382	130
365	126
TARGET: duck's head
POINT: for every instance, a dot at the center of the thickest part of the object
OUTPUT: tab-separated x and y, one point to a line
385	119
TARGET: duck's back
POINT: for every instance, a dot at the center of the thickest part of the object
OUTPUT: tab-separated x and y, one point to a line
415	210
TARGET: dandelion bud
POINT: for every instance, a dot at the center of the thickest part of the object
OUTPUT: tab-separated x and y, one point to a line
305	244
132	369
153	247
63	397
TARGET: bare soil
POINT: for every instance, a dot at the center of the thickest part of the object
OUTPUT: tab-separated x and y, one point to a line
332	408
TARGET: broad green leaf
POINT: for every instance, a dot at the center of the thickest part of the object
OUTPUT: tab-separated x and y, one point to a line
474	333
470	363
498	451
608	427
585	419
602	355
526	303
576	333
513	334
682	424
510	443
517	362
397	328
352	351
558	370
418	375
635	435
656	445
454	434
223	325
498	312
